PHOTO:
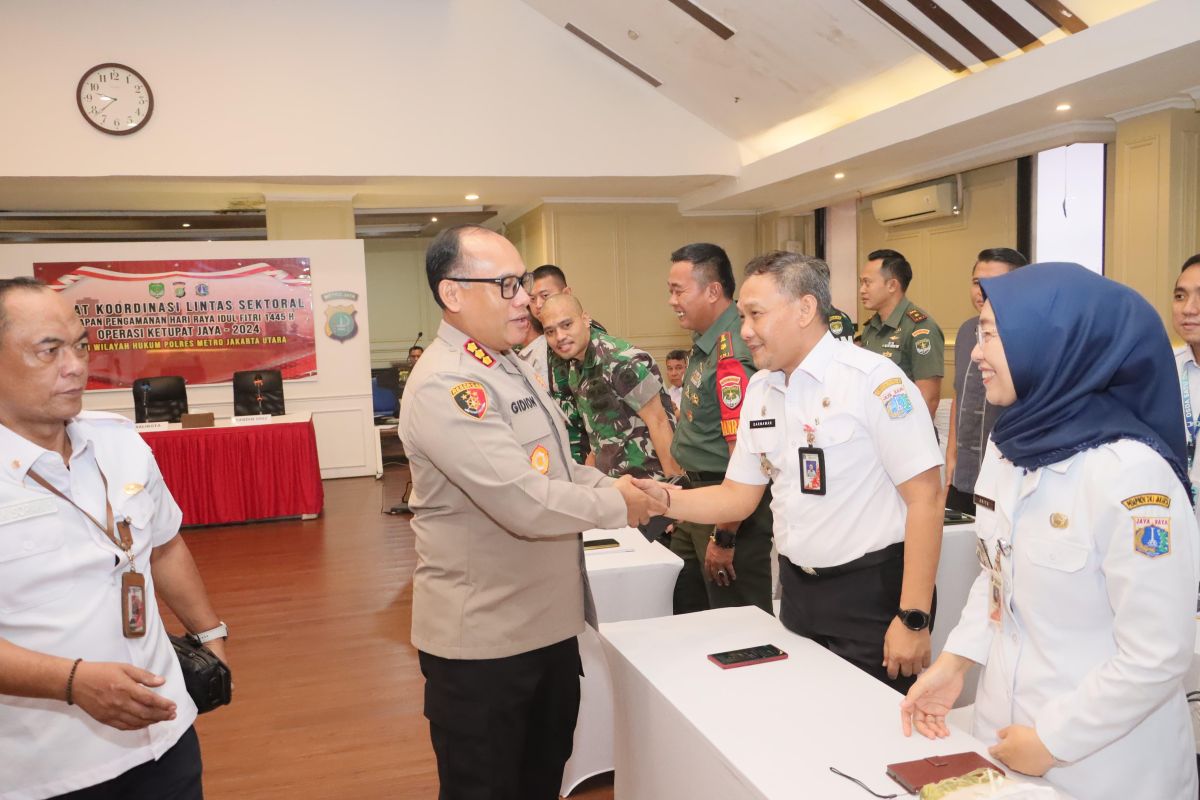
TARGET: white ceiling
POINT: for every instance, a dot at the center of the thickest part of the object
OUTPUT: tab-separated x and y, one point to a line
822	86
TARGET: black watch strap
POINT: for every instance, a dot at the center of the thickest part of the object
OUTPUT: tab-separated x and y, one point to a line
914	618
725	539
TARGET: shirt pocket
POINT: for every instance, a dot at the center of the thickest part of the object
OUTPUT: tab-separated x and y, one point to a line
141	511
1056	554
33	569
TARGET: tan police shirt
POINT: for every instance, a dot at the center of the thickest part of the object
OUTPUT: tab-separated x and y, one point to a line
498	506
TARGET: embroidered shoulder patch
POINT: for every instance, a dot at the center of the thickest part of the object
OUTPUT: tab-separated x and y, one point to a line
539	459
923	347
920	332
916	315
896	403
1139	500
725	345
481	355
731	391
471	398
1152	536
835	326
879	390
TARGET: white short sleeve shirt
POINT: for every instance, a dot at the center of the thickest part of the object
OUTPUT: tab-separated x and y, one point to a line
60	580
869	421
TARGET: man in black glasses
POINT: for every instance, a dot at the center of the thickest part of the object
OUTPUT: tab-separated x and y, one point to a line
500	590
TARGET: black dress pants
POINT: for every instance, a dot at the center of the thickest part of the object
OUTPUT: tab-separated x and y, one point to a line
847	614
175	776
503	728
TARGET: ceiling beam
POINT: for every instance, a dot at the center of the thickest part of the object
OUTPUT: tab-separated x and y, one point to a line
957	31
914	35
1004	22
629	65
1060	15
704	18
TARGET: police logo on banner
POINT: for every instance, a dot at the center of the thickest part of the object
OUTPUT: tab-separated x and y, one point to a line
1152	536
471	398
341	321
157	289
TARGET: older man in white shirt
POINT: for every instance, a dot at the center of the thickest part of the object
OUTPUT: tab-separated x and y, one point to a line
92	699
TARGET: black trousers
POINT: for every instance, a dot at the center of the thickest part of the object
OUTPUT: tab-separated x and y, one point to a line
175	776
960	501
503	728
847	614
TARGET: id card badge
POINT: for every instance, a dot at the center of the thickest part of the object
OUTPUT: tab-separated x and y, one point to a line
812	470
996	593
133	604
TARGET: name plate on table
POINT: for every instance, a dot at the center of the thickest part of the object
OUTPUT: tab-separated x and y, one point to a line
250	419
160	425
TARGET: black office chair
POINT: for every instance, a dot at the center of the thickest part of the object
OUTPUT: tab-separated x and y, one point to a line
258	391
160	398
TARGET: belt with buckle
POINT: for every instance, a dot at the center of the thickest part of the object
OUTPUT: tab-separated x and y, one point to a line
872	559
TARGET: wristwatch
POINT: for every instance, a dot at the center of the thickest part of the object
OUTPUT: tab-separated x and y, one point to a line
914	618
204	637
724	539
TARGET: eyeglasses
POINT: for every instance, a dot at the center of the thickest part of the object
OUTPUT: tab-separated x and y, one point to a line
983	337
508	283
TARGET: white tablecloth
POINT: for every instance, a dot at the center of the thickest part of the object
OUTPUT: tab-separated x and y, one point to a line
688	729
633	581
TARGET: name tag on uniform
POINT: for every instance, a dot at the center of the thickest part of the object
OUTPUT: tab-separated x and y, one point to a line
26	509
812	470
762	423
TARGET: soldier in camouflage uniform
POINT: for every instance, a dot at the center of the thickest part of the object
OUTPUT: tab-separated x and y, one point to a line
548	281
618	392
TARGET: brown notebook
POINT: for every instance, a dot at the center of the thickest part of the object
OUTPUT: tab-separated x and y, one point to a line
912	775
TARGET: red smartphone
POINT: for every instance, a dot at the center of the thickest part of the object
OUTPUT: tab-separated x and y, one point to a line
747	656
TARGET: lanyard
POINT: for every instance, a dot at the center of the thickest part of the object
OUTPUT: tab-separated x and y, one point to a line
126	541
1189	422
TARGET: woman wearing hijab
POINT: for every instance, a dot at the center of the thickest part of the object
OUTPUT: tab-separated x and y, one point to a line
1082	616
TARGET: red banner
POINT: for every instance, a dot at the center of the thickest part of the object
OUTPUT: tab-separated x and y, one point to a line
203	320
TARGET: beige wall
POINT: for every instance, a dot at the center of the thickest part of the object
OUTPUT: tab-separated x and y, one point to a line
398	298
1153	219
943	251
616	258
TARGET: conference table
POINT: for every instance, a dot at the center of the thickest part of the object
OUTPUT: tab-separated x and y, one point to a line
685	728
635	580
241	473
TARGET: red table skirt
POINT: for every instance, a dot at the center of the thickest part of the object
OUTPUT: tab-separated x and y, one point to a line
238	474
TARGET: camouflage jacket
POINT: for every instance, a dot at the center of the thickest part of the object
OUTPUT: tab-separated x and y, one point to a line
610	384
560	390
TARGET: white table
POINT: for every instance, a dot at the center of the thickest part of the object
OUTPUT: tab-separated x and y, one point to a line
380	430
633	581
687	729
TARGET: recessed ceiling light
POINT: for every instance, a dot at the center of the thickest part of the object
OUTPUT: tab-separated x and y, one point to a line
186	225
471	197
837	176
433	219
1063	107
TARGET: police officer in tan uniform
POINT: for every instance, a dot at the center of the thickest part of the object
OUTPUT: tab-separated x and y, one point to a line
500	589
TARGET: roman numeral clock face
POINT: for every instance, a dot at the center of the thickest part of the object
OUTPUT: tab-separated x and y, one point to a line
115	99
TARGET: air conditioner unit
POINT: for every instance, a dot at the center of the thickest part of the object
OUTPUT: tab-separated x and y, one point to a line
927	202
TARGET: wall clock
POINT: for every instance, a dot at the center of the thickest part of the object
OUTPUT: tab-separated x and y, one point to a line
115	99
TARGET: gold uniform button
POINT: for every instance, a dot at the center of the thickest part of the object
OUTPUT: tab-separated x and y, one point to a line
1058	520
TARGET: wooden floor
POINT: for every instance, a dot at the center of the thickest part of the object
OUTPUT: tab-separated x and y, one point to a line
328	693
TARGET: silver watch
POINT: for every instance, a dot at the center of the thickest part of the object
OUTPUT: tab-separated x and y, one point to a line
219	632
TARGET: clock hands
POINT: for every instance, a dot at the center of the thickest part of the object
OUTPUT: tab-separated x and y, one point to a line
110	100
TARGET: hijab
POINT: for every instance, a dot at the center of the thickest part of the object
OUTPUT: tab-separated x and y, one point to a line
1091	363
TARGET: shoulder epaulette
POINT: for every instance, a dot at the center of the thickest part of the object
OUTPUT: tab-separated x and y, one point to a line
916	315
481	355
725	346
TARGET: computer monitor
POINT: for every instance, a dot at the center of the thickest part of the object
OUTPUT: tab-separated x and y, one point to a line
258	391
161	398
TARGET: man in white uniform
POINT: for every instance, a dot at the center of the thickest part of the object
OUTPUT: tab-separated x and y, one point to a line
92	700
855	474
1185	315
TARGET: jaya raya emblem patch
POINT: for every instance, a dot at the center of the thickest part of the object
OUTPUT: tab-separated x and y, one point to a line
1152	536
731	391
471	398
